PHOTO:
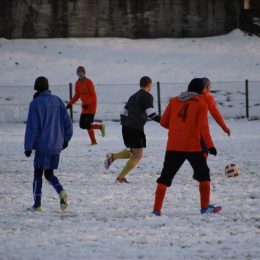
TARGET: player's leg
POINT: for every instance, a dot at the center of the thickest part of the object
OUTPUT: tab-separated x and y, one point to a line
205	152
37	190
111	157
125	154
85	123
201	173
172	162
55	183
136	141
53	180
130	164
101	127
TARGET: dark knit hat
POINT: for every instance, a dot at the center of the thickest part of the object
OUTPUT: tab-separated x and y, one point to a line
81	68
41	84
196	85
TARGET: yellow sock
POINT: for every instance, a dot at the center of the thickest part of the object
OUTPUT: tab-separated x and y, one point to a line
128	167
125	154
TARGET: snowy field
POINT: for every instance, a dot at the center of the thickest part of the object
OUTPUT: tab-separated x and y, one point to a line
105	220
111	221
231	57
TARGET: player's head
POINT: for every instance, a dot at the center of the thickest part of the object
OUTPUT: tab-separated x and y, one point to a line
207	84
196	85
41	84
81	71
146	83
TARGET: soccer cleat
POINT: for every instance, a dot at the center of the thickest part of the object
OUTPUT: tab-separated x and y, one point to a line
124	180
35	209
92	144
211	209
156	213
109	160
103	130
64	202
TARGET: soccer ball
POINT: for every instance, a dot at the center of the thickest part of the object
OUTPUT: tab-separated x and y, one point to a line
232	170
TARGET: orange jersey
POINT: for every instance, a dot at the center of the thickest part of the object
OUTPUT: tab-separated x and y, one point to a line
85	91
186	122
209	99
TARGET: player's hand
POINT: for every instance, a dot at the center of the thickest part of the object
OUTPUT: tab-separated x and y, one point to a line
28	153
85	107
68	106
65	145
213	151
228	132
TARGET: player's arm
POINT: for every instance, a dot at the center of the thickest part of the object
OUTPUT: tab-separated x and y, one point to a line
204	128
217	115
165	119
152	115
32	128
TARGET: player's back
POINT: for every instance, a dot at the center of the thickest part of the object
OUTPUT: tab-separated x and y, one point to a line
186	121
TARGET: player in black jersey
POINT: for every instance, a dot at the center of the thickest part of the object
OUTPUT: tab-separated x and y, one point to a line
133	118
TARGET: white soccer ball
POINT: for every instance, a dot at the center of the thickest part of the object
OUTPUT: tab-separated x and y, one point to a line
232	170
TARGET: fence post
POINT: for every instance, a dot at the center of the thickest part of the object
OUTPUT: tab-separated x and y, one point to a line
247	105
159	98
71	109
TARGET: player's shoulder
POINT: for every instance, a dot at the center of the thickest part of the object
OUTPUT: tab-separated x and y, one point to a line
202	102
88	80
173	100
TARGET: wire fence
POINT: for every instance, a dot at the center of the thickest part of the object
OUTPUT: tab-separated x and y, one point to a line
234	99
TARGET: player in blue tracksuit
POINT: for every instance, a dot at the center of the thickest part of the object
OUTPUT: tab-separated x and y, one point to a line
48	131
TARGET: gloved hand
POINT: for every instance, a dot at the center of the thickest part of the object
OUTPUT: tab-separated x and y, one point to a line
213	151
68	106
228	132
65	145
28	153
85	106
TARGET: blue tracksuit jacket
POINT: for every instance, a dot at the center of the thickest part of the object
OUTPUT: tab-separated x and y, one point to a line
48	125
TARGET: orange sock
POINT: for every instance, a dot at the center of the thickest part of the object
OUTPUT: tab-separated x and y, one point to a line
92	135
159	197
96	126
204	194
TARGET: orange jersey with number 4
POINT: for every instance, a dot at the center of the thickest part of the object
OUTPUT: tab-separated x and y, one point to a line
186	122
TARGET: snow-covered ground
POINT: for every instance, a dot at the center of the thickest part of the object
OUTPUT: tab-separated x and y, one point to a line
111	221
231	57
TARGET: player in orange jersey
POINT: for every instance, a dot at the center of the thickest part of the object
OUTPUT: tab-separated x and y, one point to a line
186	119
85	91
209	99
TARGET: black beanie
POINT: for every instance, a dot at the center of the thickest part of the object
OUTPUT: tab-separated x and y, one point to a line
41	84
196	85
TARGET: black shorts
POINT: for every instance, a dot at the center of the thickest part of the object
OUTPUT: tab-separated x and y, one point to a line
86	120
173	161
133	138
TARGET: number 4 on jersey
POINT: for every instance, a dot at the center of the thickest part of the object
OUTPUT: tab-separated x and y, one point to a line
183	113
